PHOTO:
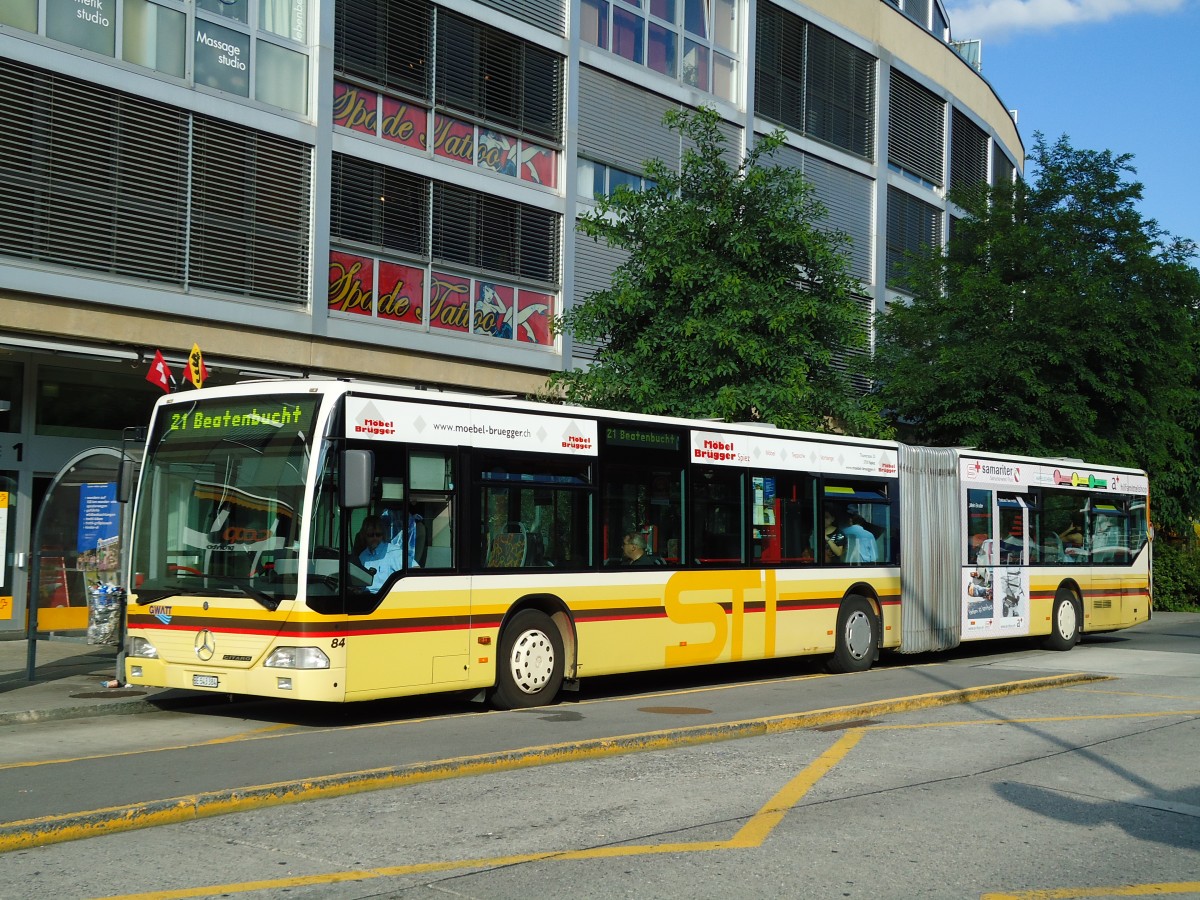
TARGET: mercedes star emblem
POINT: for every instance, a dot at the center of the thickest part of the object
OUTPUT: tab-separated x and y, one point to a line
206	645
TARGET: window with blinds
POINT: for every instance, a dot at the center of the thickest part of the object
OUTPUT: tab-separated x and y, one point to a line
129	199
1004	171
109	198
481	231
379	206
912	227
388	209
916	129
384	42
810	81
779	67
486	73
840	94
250	199
968	153
549	15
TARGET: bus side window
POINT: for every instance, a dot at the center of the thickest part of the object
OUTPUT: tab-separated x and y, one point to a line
431	510
534	512
719	516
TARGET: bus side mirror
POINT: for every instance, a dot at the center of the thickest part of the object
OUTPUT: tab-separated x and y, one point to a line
127	475
358	476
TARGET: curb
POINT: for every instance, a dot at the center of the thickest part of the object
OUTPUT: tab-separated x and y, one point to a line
152	702
75	826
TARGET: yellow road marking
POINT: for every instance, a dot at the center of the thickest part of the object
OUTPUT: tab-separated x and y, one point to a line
751	835
754	832
1125	890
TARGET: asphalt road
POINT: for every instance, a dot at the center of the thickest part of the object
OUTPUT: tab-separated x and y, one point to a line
848	787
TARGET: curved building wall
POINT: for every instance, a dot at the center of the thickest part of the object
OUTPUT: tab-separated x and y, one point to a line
878	110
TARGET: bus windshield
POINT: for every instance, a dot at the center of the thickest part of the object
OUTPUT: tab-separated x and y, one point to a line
221	499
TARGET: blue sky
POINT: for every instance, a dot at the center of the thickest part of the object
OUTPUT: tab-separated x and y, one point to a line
1119	75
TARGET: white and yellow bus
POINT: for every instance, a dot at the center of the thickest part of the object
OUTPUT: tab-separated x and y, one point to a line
529	546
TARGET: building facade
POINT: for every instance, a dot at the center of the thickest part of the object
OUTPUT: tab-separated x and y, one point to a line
386	189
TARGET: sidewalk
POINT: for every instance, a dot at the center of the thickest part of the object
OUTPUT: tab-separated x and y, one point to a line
69	678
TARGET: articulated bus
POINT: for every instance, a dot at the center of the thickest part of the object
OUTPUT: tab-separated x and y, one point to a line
337	541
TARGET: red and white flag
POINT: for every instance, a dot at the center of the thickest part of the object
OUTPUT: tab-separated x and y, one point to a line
159	373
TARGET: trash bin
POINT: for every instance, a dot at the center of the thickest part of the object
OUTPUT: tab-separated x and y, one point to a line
105	605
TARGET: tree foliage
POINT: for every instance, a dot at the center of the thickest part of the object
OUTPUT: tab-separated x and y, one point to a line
1056	322
733	302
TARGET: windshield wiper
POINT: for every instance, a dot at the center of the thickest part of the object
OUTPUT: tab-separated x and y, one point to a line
154	595
270	602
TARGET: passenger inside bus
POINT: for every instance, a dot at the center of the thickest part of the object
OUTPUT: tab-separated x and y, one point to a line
636	553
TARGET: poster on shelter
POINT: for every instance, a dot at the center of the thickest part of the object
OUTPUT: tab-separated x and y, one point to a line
99	529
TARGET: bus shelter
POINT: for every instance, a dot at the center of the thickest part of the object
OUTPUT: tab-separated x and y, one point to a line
79	540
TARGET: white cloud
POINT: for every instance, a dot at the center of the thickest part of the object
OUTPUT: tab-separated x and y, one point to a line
999	18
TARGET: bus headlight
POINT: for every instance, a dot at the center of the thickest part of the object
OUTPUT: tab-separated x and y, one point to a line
140	647
297	658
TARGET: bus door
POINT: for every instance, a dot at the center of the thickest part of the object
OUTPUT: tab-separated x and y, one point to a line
996	575
1115	589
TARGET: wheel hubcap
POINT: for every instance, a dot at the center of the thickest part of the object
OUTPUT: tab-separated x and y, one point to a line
858	635
1066	620
532	661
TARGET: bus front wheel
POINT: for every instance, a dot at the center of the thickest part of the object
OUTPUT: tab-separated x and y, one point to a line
1064	623
856	637
529	670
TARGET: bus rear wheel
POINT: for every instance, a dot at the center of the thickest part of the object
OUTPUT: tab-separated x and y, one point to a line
529	670
856	638
1064	623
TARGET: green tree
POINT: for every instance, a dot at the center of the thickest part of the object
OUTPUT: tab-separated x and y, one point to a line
733	303
1057	321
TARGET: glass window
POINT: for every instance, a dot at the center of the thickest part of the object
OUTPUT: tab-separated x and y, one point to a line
431	510
585	178
594	22
227	500
695	65
286	18
19	14
281	77
783	519
654	40
222	58
858	523
643	509
154	36
627	35
979	525
238	10
1014	529
718	517
1108	527
663	43
616	178
724	76
89	24
725	24
535	513
695	17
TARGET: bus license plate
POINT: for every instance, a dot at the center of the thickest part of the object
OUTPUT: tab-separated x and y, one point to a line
209	681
